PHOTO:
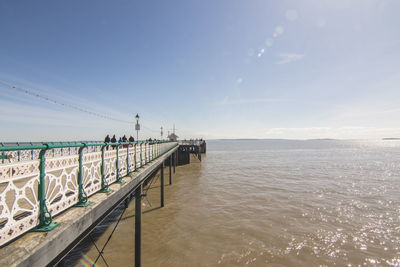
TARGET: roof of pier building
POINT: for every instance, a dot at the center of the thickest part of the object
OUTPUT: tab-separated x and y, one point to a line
173	137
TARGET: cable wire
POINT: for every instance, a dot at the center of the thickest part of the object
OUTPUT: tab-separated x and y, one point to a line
53	101
50	100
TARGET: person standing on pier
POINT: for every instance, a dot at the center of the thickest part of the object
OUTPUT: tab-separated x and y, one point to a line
131	139
107	140
113	140
125	140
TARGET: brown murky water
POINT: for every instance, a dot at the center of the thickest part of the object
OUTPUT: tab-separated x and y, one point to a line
268	203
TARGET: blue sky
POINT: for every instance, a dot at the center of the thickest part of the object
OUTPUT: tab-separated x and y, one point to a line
217	69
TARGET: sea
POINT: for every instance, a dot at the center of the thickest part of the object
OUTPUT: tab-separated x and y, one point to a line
264	203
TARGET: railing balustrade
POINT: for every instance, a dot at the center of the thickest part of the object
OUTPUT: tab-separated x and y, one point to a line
41	180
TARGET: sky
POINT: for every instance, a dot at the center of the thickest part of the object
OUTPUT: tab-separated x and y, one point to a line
214	68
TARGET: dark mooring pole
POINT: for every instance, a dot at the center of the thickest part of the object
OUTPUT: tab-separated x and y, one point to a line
170	170
138	226
162	184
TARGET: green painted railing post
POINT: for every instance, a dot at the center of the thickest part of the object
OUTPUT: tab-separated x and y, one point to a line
127	160
82	196
117	162
3	155
151	151
141	156
145	153
104	184
45	219
118	181
31	152
134	147
148	152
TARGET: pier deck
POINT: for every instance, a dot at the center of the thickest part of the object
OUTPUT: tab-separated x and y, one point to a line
80	186
38	249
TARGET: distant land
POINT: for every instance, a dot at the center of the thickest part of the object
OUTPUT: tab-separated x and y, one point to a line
391	138
271	139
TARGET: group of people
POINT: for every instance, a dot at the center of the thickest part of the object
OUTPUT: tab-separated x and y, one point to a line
122	139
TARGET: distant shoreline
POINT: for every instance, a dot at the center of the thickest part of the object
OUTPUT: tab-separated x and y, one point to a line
274	139
391	138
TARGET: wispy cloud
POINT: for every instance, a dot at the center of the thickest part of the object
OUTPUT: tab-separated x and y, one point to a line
288	58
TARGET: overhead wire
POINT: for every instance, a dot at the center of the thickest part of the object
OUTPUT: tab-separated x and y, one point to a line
63	104
56	102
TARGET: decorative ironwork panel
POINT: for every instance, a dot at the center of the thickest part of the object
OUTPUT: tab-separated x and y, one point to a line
110	171
131	158
91	172
123	170
19	208
19	180
138	164
61	183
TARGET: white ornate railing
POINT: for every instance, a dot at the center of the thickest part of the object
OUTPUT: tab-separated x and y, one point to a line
45	180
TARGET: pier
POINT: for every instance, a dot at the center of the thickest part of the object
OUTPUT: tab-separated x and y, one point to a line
52	195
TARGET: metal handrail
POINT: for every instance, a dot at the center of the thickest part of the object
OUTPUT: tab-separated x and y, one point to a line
36	169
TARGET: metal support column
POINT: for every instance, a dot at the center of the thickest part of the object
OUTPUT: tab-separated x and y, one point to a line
170	170
162	184
138	226
175	158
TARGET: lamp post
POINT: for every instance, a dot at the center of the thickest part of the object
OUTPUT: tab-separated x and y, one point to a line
137	127
161	132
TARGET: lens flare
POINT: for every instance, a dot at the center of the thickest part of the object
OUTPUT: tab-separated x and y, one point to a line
279	30
86	261
292	14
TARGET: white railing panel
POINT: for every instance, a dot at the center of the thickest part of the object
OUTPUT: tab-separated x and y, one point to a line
91	172
19	208
61	184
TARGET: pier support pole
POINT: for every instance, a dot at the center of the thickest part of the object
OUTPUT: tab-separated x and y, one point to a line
162	184
138	226
175	158
170	170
